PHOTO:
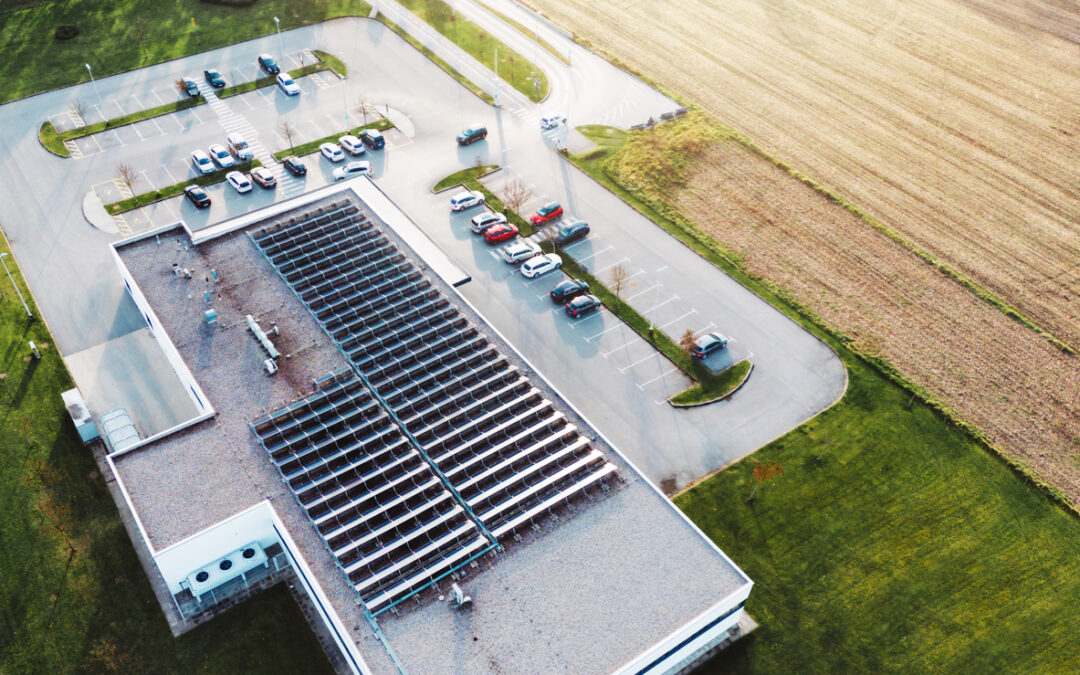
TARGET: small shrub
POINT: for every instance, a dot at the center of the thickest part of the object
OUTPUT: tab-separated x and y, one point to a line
65	31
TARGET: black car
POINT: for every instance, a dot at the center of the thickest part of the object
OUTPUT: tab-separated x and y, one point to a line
189	87
572	232
214	78
267	63
294	165
197	196
372	138
476	132
582	305
568	290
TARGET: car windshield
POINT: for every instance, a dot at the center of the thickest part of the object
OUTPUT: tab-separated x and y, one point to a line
270	63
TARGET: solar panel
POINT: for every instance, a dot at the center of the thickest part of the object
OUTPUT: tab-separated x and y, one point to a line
432	446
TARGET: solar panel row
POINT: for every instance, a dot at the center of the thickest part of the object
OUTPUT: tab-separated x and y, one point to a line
433	445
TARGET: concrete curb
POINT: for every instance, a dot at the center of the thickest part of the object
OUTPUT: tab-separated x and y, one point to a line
728	395
94	211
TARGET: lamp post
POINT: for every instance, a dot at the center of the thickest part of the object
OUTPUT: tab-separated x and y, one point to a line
94	82
17	291
277	29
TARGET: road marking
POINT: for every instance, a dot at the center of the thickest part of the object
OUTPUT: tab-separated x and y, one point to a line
138	102
135	128
671	299
116	136
690	313
655	285
159	100
661	375
604	269
628	343
650	355
195	115
149	182
606	330
179	124
169	174
577	243
705	329
577	322
596	253
120	107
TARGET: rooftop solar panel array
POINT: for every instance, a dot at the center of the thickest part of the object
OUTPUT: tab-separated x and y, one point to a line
433	446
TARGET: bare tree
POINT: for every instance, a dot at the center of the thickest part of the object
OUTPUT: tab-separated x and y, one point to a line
128	176
687	340
619	278
140	35
287	129
361	107
79	108
515	194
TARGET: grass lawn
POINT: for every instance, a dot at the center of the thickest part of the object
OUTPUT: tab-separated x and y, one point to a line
312	146
89	606
128	34
894	543
544	44
514	68
714	387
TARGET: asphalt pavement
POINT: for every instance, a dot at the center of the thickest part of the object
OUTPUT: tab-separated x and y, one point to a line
613	376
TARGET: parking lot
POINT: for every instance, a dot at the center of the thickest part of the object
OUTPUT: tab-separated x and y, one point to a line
614	376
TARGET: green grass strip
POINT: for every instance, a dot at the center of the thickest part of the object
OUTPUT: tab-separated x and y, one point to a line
547	46
313	146
50	136
470	178
51	140
513	67
332	62
326	61
434	58
720	386
173	190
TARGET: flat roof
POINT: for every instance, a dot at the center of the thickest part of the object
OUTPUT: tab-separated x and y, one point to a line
586	588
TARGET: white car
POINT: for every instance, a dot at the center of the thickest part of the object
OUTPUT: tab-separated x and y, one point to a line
238	181
352	144
239	147
519	251
541	264
332	152
486	220
202	162
551	121
466	200
287	84
221	156
352	169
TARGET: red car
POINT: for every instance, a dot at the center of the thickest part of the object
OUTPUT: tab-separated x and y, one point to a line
546	213
500	232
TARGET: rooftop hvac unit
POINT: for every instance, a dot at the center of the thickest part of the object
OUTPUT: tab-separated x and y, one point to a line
80	415
270	366
260	335
226	568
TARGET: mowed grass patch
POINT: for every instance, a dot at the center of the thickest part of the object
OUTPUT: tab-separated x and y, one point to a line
128	34
513	67
73	596
893	543
717	387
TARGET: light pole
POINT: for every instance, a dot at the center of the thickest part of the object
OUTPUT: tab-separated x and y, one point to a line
658	284
94	82
536	53
277	29
17	291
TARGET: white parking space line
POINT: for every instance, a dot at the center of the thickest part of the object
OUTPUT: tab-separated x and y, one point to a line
119	107
169	174
671	299
117	138
135	128
155	94
242	99
628	343
240	74
577	243
179	124
148	181
604	269
651	355
662	375
643	291
706	329
318	129
169	207
195	115
690	313
577	322
606	330
595	253
154	120
267	98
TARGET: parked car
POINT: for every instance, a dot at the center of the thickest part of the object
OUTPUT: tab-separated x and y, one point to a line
552	120
501	232
189	86
197	196
582	305
466	200
221	156
295	166
239	147
546	213
519	251
372	138
238	181
202	162
352	169
541	264
214	78
565	291
332	152
707	344
486	220
264	177
472	134
572	232
352	145
287	84
267	63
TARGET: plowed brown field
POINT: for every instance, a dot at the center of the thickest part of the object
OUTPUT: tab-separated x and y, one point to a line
955	123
